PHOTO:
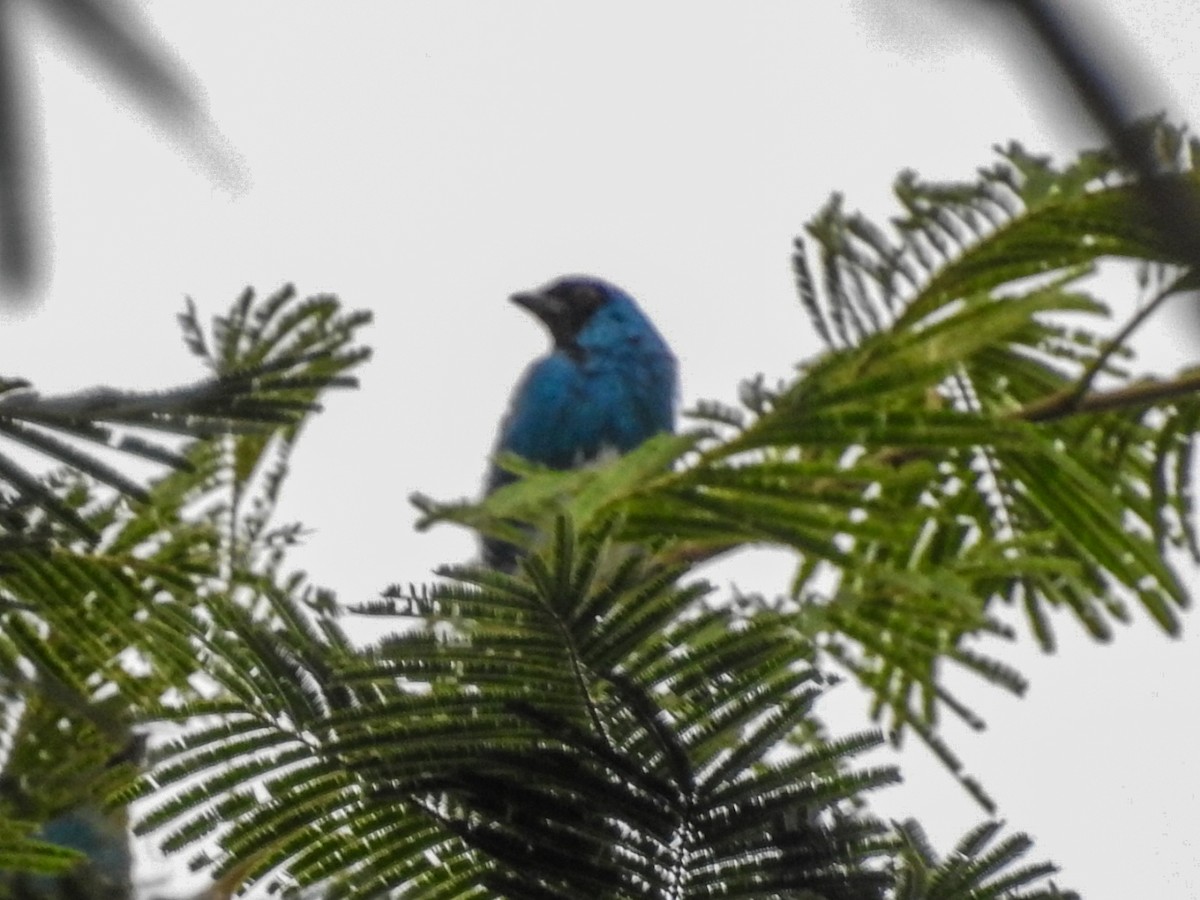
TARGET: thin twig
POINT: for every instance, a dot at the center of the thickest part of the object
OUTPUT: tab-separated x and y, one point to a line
1139	394
1084	384
1066	403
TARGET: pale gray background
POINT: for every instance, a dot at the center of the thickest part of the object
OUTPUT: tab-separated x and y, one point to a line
427	159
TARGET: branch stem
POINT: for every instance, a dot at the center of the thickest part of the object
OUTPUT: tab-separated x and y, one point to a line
1142	393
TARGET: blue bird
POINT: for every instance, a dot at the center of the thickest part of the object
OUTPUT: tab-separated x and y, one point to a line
608	383
104	839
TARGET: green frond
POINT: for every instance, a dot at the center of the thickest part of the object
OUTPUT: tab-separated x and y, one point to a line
599	723
257	386
21	853
531	722
976	870
97	634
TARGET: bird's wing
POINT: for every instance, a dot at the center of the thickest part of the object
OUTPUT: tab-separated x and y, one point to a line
549	417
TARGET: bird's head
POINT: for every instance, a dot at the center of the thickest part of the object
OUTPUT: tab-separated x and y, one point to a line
589	314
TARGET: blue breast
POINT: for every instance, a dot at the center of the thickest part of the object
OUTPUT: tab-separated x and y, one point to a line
616	391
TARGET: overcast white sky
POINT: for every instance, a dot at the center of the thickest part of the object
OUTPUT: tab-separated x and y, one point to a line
427	159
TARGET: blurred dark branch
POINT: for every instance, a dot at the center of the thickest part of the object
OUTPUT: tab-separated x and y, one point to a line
1100	91
16	256
111	31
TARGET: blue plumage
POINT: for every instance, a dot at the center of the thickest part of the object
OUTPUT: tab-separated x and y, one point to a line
608	383
104	837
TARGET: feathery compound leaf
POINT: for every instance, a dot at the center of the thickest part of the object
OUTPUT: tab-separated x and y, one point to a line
97	635
546	732
975	870
965	403
596	724
258	385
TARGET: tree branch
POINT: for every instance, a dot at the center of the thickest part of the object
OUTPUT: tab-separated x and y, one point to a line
1143	393
1068	402
1084	384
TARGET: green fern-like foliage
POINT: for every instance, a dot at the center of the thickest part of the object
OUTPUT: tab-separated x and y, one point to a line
970	443
579	732
82	654
970	451
976	869
586	728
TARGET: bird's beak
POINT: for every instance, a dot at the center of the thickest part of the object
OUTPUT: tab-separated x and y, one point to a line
546	307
